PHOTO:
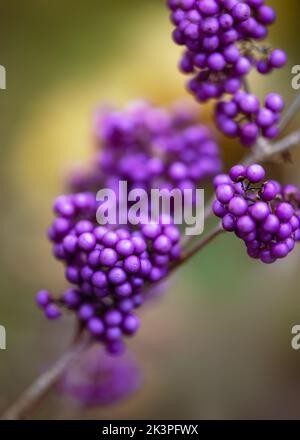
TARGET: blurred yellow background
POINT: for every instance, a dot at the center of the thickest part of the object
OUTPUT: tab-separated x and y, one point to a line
218	344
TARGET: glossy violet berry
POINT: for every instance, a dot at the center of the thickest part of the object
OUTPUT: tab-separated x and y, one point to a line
52	312
95	326
255	173
43	298
224	193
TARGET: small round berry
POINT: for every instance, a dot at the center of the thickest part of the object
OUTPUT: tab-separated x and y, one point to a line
208	7
43	298
108	257
110	239
241	12
86	273
113	334
221	179
72	274
87	241
238	206
113	318
63	206
266	14
146	266
178	171
52	311
117	275
125	248
295	223
266	256
259	211
139	244
99	279
285	231
95	326
265	118
280	250
224	193
219	209
237	172
162	244
99	233
70	243
249	104
85	312
126	305
61	226
130	324
271	224
84	226
172	233
269	192
243	66
71	298
255	173
274	102
132	264
124	290
278	58
151	230
285	212
93	258
228	223
245	224
216	62
290	242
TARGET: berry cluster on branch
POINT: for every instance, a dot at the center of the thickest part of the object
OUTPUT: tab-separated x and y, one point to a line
113	268
264	214
224	42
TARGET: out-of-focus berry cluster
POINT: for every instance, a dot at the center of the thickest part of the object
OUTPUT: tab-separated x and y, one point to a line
151	148
113	268
264	214
98	379
223	41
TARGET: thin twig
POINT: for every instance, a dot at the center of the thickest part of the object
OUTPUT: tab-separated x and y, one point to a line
35	393
290	112
286	143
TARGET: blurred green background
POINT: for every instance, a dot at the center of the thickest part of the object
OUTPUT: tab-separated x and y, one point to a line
218	344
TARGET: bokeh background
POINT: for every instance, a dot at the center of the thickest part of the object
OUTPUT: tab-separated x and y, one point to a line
218	344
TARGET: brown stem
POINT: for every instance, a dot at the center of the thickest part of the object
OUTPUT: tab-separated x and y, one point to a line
35	393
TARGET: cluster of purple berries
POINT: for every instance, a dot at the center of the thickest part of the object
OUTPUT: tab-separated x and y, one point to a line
221	39
223	44
265	215
151	148
109	268
243	117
